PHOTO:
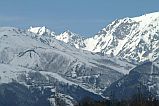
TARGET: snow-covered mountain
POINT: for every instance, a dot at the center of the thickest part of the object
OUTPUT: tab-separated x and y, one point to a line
142	80
69	67
67	36
41	31
72	38
41	61
39	86
135	39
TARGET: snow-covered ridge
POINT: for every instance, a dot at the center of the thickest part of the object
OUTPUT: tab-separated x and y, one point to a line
131	38
145	77
42	58
30	59
67	36
71	38
41	31
24	49
134	39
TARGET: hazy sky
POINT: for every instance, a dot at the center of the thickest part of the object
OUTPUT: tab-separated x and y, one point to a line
85	17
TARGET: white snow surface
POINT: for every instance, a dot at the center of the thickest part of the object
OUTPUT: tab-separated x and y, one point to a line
22	51
134	39
40	50
41	31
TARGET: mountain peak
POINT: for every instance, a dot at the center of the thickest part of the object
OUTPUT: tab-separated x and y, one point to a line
69	37
41	31
148	16
135	39
68	33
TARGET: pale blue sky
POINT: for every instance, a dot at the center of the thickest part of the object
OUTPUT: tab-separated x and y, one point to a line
85	17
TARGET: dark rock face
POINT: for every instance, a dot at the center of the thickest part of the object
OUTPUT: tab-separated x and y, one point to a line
14	94
142	80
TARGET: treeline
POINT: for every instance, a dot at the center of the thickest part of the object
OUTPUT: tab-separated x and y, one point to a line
132	102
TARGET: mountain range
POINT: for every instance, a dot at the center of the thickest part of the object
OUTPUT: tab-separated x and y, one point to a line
134	39
65	68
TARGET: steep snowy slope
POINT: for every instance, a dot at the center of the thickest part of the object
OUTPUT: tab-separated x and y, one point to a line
87	56
45	54
142	80
41	31
68	37
42	81
71	38
29	65
135	39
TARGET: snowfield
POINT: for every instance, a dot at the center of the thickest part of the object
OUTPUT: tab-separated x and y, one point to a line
66	68
41	61
134	39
